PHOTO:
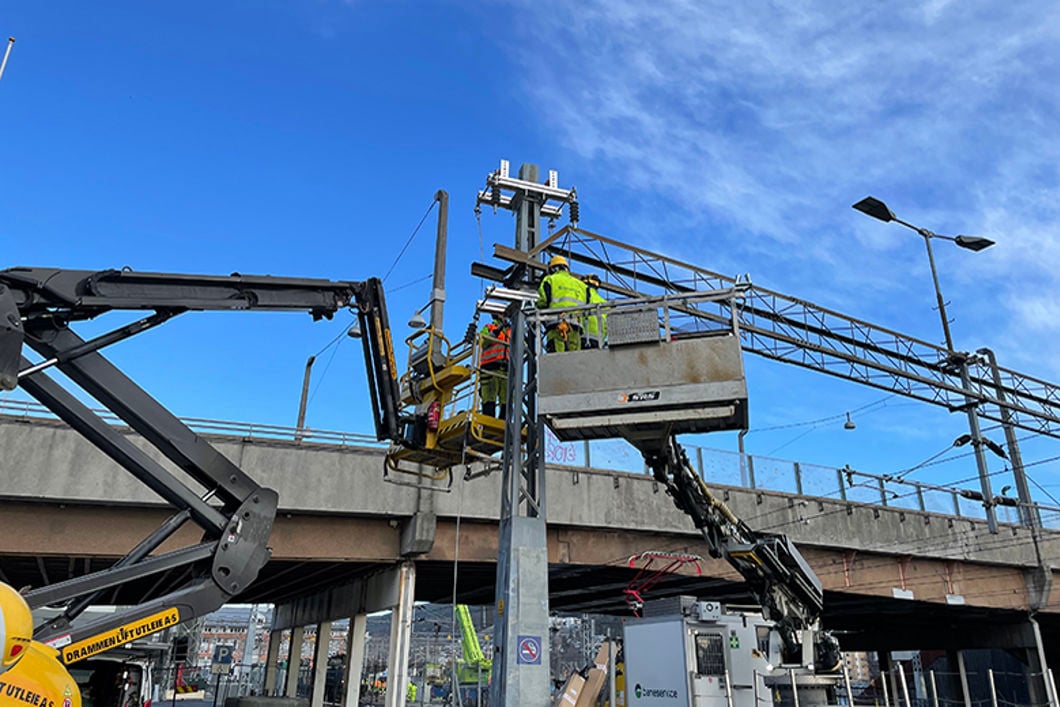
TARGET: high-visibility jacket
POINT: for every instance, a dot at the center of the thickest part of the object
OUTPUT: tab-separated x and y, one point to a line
494	340
595	324
561	289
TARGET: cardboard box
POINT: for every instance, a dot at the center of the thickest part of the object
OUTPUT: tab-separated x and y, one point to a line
603	657
571	691
593	684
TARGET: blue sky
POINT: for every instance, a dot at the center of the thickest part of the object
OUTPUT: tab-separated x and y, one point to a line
308	137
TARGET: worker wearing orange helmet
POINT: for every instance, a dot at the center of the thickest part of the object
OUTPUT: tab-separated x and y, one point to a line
493	366
560	289
30	672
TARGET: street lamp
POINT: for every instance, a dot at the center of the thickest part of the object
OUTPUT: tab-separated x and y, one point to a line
959	361
878	210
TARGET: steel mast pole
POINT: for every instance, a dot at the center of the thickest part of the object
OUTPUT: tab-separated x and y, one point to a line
521	638
438	282
7	53
521	647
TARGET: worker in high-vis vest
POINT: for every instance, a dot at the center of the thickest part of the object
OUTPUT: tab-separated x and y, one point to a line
30	672
560	289
493	366
594	324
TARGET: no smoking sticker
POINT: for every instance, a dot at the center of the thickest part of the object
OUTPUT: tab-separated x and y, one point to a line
529	650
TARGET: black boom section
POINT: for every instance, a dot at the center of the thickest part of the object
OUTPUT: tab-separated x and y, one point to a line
778	576
38	307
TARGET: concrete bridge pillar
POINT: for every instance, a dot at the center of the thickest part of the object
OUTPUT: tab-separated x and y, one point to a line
294	660
959	680
400	637
355	659
272	662
887	677
1037	667
320	664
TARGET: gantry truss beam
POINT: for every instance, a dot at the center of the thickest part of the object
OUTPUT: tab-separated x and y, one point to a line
792	330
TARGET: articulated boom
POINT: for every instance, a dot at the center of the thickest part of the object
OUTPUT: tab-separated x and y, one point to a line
776	572
37	307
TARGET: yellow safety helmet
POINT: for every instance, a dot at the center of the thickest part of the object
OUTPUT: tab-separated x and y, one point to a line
39	672
16	627
558	261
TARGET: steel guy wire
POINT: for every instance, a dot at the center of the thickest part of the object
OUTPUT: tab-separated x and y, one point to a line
409	241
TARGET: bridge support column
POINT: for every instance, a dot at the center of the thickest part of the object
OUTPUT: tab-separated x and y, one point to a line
355	659
320	664
962	671
294	661
1037	667
272	662
397	669
887	676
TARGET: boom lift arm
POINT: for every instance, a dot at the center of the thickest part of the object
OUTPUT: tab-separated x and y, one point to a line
776	572
37	307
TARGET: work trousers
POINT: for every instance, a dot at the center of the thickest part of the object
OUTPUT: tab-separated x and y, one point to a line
555	341
493	385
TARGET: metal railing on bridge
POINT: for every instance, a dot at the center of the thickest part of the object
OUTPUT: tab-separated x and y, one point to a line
714	465
244	430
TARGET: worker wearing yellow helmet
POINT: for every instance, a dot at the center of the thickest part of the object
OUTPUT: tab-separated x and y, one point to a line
30	672
560	289
594	324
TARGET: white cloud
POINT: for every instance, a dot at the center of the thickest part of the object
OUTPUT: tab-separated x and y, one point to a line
761	123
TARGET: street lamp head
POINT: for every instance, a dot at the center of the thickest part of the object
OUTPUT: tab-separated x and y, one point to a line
875	208
974	243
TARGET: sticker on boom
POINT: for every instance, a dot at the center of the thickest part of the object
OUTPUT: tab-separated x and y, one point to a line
645	396
121	635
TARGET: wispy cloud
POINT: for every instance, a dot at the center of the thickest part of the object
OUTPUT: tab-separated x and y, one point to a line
760	123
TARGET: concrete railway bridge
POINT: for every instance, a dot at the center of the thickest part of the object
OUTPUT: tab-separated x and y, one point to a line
346	542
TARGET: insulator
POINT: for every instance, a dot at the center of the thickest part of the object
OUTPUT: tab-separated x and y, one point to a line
495	196
471	333
574	212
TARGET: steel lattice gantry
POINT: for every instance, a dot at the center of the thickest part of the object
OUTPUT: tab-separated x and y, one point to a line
793	330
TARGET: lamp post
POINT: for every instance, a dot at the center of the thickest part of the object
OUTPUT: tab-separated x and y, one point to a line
878	210
954	360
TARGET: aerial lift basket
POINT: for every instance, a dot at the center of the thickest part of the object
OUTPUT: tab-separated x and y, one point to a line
667	369
442	385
